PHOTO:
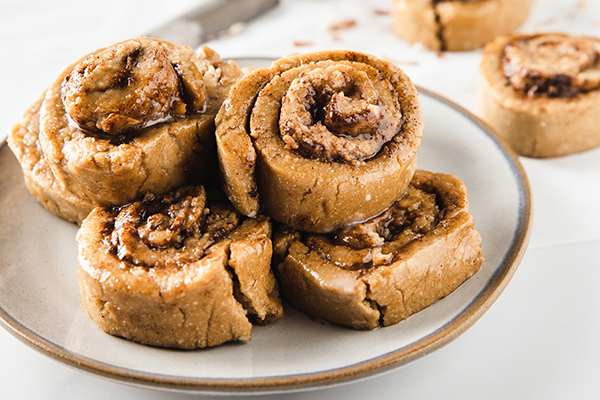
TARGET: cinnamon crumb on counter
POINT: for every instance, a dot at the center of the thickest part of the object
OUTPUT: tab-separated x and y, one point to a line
342	25
378	11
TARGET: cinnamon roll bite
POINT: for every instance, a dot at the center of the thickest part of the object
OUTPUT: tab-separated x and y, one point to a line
457	25
320	140
134	117
541	92
180	270
384	270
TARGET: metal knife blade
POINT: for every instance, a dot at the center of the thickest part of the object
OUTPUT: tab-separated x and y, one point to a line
211	18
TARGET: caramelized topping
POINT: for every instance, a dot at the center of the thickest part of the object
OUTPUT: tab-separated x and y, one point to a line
553	65
375	242
131	85
174	229
335	114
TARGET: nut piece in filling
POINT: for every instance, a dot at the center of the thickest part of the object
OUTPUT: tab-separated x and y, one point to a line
382	271
457	25
135	117
319	140
540	92
181	270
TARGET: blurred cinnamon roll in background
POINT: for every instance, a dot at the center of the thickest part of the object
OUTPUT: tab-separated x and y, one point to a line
541	92
457	25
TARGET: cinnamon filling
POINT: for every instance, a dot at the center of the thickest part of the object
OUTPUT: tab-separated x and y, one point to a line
168	231
129	86
377	241
552	65
336	114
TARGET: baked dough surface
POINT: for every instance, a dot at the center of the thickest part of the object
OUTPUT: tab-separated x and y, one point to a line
285	145
107	137
455	25
382	271
183	270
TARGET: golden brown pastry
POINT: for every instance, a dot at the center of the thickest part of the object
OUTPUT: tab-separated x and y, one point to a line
319	140
457	25
541	92
137	116
380	272
181	270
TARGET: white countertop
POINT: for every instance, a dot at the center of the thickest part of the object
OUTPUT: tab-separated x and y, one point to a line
538	341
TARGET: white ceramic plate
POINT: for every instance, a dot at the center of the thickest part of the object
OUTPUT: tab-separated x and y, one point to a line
39	300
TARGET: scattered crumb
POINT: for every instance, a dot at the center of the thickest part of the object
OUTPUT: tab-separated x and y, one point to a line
342	25
439	54
335	38
302	44
582	4
378	11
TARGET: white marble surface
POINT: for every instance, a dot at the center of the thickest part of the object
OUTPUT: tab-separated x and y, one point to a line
538	341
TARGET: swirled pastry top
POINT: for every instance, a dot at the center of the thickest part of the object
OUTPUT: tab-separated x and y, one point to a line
178	270
339	113
553	65
168	231
320	140
132	118
379	241
133	84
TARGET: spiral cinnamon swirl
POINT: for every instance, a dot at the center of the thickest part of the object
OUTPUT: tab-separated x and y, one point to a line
180	270
137	116
380	272
319	140
541	92
457	25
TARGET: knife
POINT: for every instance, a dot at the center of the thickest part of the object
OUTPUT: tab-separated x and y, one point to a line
210	18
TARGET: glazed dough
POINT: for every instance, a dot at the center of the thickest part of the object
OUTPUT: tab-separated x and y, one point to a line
457	25
182	270
319	140
540	92
134	117
382	271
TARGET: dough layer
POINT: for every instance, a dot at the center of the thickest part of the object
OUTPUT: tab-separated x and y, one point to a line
383	271
319	140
